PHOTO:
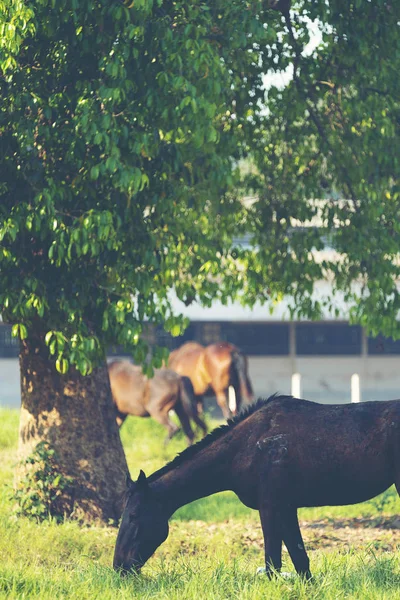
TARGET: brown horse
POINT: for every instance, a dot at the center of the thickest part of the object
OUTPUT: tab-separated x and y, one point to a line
217	366
135	394
279	455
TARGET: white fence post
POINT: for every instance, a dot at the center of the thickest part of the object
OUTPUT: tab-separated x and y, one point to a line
355	388
296	385
232	399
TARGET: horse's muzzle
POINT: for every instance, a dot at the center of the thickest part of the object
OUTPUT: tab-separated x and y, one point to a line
125	570
127	567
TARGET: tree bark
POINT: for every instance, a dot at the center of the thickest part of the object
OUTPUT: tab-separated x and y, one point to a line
76	416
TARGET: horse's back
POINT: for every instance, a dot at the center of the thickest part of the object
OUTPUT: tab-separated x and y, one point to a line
164	384
188	360
221	349
325	454
166	374
128	387
185	353
344	419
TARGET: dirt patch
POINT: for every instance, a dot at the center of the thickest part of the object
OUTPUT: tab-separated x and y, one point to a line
337	534
379	532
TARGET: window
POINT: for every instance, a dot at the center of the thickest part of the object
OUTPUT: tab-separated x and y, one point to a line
210	333
327	338
258	339
9	345
382	345
164	338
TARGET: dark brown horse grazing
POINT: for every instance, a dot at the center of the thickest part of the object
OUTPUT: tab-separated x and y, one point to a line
217	367
135	394
279	455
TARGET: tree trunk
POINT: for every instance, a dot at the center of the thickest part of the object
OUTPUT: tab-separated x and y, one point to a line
76	416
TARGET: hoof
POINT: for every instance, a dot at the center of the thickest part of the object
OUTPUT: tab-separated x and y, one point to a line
283	574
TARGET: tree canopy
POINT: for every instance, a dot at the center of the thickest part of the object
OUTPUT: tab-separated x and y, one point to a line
121	128
118	135
327	149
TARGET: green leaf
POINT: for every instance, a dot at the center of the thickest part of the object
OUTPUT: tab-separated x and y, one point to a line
94	172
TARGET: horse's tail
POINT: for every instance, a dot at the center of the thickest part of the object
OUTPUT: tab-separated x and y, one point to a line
189	402
187	395
240	379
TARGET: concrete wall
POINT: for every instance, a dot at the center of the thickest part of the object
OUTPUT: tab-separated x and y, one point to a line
323	379
10	393
327	379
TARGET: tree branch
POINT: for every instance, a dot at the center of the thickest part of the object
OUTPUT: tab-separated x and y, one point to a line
311	104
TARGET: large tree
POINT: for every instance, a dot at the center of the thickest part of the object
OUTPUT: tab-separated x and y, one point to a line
119	125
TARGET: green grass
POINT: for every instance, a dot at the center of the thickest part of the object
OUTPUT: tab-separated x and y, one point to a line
212	552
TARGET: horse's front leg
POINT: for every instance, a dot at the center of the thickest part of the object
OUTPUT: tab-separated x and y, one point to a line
272	530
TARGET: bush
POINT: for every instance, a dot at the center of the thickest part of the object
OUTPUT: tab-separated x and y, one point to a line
39	492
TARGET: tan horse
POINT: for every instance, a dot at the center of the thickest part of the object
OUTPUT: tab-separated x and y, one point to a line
217	366
137	395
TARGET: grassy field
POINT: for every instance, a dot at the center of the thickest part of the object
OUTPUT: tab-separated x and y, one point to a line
213	550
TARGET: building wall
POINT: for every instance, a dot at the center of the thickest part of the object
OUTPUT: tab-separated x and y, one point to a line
327	379
10	392
323	379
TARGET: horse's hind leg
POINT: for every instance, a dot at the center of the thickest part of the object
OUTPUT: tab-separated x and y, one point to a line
166	421
200	403
222	401
195	416
272	531
200	423
294	543
184	419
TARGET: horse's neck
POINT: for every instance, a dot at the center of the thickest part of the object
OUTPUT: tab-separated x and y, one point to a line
203	474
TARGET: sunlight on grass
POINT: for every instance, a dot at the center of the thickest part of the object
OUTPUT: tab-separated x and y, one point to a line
9	420
213	550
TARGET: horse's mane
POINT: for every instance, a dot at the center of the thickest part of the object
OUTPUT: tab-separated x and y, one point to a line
214	435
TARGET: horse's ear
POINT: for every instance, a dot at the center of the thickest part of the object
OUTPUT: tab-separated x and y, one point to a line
142	480
129	482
